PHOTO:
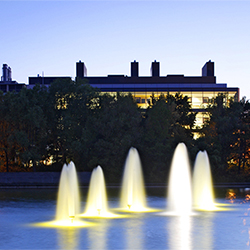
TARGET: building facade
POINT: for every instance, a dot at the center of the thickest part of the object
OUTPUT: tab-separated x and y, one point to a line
200	89
44	80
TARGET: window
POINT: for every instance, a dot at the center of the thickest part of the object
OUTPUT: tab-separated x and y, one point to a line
138	99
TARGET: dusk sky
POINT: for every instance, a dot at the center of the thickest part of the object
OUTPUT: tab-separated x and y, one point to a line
51	36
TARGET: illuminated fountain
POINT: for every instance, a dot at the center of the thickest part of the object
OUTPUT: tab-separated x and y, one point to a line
68	201
179	185
97	204
203	196
133	192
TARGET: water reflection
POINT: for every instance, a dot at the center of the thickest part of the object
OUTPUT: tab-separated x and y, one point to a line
98	235
128	234
191	232
68	238
179	232
134	236
245	221
203	228
207	230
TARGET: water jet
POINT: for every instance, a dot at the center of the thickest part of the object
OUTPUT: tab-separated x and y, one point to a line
179	185
133	196
97	204
203	196
68	202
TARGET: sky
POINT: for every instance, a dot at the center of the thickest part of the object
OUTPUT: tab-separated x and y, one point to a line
49	37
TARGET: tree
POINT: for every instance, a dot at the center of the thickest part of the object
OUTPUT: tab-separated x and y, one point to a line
168	121
241	148
115	127
5	132
71	104
23	127
225	135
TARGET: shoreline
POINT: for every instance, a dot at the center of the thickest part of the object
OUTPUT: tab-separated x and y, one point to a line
86	185
51	180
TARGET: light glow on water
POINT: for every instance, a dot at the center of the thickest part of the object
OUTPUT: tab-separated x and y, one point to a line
179	227
231	196
64	223
136	210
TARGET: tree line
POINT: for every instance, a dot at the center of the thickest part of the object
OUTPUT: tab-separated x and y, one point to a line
41	129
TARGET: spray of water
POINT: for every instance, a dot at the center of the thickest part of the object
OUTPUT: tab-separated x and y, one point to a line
179	185
68	202
133	192
203	195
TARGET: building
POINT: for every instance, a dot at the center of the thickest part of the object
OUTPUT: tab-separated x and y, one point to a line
6	83
200	89
44	80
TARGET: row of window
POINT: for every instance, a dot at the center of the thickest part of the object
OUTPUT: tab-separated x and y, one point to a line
148	100
198	100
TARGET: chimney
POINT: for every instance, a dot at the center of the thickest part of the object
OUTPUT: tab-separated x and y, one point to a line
155	69
208	69
5	73
81	70
134	69
9	74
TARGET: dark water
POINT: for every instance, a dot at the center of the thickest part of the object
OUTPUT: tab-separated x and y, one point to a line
228	229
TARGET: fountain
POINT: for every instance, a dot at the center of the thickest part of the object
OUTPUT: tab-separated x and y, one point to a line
179	185
97	205
183	231
133	193
203	196
68	202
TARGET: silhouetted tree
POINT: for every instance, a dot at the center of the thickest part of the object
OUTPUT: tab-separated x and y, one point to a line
23	127
226	135
240	154
115	127
71	104
168	121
